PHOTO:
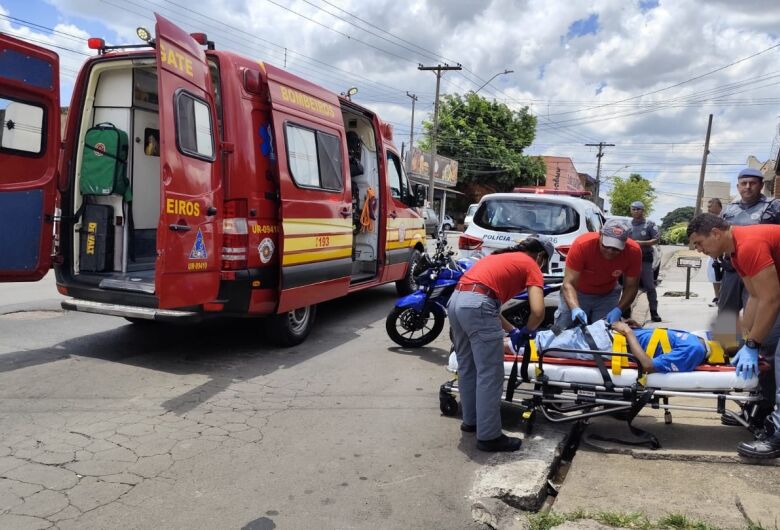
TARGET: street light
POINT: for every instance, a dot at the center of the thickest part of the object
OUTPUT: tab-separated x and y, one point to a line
489	80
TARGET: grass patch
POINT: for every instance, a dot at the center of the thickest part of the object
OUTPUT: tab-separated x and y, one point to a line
623	520
638	521
676	521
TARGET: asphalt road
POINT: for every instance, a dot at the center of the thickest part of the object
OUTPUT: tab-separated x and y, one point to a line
106	424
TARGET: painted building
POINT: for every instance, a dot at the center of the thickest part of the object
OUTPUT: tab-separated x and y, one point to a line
561	174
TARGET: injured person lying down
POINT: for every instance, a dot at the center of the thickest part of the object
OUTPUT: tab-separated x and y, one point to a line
675	350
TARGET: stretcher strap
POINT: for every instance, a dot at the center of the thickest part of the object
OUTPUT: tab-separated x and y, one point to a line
659	336
645	437
599	360
510	387
619	361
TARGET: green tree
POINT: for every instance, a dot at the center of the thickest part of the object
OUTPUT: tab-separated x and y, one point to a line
626	191
677	234
675	216
487	139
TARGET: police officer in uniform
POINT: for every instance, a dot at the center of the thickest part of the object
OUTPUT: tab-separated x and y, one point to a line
646	234
752	208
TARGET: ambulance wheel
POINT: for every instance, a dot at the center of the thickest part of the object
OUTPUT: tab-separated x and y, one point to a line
291	328
408	284
448	405
409	328
140	321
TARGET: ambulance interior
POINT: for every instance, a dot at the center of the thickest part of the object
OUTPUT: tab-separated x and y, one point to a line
364	174
121	256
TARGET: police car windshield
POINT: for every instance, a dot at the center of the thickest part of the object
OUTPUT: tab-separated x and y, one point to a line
513	215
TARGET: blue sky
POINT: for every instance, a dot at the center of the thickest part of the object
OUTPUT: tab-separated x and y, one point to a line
642	74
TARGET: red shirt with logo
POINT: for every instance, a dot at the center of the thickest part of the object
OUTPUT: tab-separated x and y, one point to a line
756	248
505	274
599	275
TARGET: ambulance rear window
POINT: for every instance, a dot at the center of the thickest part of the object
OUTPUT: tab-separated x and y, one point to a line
314	158
21	127
194	133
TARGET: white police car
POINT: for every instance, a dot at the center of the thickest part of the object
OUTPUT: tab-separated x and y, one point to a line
504	219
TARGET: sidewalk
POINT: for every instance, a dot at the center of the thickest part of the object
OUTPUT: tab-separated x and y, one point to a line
697	472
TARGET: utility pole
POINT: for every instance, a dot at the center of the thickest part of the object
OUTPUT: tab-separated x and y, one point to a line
700	191
411	129
438	69
601	146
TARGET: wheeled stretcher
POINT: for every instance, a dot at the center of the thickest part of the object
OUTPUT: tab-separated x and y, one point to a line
572	385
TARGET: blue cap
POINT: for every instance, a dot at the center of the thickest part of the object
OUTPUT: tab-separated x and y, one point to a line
638	204
749	172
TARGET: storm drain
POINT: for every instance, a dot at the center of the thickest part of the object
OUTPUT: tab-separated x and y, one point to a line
32	315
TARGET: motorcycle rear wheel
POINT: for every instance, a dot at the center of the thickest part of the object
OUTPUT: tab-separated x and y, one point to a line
408	328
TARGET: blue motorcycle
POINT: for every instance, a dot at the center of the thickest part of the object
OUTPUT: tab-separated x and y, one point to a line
418	318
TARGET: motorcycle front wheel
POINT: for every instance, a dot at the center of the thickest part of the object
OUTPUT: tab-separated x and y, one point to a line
409	328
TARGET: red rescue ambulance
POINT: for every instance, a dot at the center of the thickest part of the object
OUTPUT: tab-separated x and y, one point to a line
194	182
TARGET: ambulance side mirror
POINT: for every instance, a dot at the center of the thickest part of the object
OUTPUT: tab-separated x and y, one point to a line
419	195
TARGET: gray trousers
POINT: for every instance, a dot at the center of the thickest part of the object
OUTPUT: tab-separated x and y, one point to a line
596	306
479	346
647	284
765	387
733	297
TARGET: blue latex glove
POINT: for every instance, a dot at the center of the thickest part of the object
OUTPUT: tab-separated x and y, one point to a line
578	314
519	336
746	360
614	315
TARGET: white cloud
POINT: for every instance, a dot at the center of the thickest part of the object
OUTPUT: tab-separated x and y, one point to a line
632	53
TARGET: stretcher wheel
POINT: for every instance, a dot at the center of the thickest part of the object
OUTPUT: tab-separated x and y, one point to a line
448	405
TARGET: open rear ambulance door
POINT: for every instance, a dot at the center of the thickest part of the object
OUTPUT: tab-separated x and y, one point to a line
189	232
29	147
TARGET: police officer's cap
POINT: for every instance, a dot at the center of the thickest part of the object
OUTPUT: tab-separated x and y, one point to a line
639	205
750	172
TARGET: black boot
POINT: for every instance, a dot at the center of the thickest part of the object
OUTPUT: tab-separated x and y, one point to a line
655	317
768	447
502	443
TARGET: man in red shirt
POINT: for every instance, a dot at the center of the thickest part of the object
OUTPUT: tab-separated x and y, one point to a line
594	264
755	255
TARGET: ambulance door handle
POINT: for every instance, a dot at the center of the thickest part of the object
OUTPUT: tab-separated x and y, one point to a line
211	211
179	228
345	211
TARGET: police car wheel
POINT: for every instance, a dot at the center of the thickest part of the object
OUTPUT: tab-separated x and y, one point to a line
407	284
291	328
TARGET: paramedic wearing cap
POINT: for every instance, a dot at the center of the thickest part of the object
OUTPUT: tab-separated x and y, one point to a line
645	233
594	264
477	330
755	255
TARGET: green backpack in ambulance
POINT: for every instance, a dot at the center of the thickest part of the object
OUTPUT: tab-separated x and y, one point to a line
104	162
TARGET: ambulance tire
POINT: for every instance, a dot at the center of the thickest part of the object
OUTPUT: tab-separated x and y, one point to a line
291	328
140	321
407	284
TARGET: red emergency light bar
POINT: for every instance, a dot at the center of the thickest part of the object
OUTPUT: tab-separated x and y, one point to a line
546	191
95	43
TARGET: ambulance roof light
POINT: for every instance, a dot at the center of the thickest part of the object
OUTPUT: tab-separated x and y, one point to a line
203	40
143	34
95	43
200	38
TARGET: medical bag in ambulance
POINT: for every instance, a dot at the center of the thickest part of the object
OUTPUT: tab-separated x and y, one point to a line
96	251
104	163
